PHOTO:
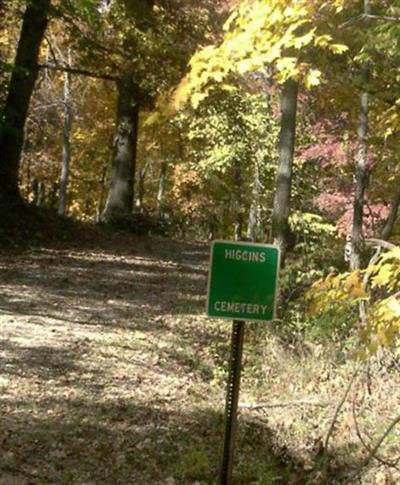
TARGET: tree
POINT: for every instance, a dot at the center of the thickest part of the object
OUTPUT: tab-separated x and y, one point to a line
19	94
230	144
281	231
392	217
120	195
362	168
281	37
148	58
66	152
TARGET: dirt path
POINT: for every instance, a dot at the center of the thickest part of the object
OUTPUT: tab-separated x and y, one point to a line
106	365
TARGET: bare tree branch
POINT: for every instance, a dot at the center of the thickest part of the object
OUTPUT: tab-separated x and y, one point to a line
80	72
334	420
383	461
92	42
379	243
50	45
306	402
390	18
372	453
359	18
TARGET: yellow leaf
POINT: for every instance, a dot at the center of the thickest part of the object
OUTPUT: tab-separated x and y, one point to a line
322	40
353	279
299	42
197	98
358	293
338	48
384	276
394	305
312	78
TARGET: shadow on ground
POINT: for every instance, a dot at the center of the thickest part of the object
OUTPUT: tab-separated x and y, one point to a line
117	287
80	441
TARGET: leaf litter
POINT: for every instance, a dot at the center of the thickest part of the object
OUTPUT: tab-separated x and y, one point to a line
111	373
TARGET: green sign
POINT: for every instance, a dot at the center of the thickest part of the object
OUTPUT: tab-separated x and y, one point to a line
242	282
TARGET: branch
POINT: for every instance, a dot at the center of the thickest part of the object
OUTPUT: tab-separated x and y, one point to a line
379	243
309	402
333	422
50	45
358	18
46	106
390	18
391	463
92	42
372	262
80	72
372	453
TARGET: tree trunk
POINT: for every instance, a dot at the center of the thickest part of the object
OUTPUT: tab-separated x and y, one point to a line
66	156
161	187
52	197
102	192
120	197
19	94
35	191
280	215
362	170
41	194
121	192
213	224
140	186
391	220
238	201
254	223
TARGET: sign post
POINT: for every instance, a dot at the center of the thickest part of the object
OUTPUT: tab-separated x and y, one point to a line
242	285
232	398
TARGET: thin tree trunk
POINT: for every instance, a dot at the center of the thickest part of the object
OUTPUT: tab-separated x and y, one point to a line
362	170
66	155
19	94
280	215
140	186
52	197
238	201
35	191
121	192
102	191
254	223
391	220
41	193
161	187
27	178
212	224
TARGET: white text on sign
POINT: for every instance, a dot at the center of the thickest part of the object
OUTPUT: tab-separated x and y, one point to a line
242	255
235	307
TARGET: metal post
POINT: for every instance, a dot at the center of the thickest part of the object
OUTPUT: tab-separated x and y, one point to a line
232	396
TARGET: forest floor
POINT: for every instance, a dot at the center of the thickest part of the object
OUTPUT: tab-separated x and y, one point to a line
111	374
